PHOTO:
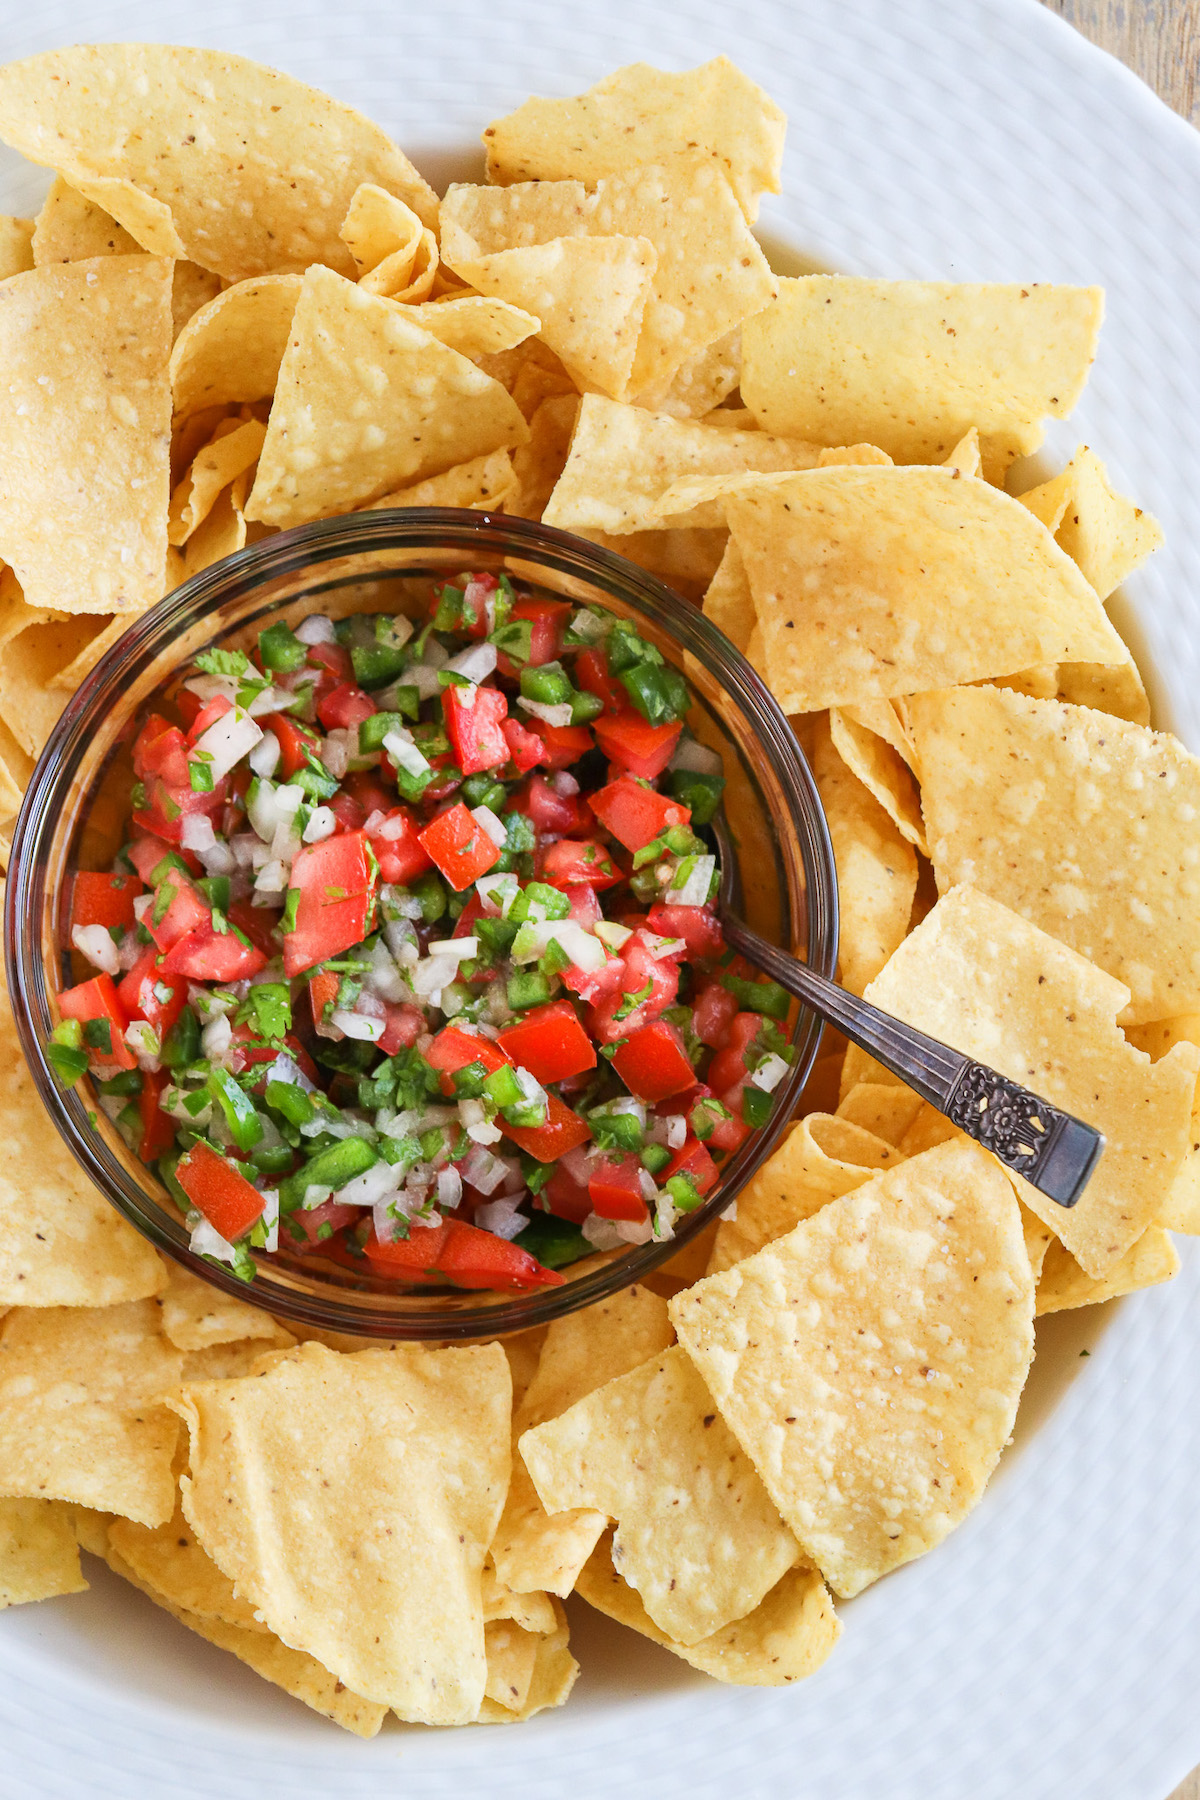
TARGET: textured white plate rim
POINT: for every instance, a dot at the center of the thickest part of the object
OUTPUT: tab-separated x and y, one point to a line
1050	1646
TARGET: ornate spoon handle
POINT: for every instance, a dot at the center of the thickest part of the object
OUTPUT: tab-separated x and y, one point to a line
1052	1149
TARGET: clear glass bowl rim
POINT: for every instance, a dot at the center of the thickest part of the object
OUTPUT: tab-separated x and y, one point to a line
44	815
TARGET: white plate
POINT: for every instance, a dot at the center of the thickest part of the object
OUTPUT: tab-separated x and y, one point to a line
1050	1647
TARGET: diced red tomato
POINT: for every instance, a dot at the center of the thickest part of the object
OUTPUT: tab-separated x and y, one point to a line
476	595
344	707
547	810
566	1197
401	858
168	805
565	744
693	1161
217	1189
146	992
188	706
726	1134
99	899
187	910
147	852
659	973
333	657
575	861
615	1187
98	999
160	750
453	1049
350	813
714	1014
525	747
336	883
209	713
334	1213
728	1066
564	1130
593	676
210	955
459	846
548	619
371	792
322	995
249	1051
158	1128
550	1042
653	1062
635	744
258	924
294	740
476	732
698	926
595	985
463	1254
402	1027
585	908
636	814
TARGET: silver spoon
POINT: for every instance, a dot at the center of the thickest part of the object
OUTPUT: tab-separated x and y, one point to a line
1052	1149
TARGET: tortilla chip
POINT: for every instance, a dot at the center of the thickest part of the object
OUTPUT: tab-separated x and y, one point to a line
70	228
531	373
710	275
170	1562
39	1556
1085	825
61	1243
532	1612
870	741
195	1315
229	352
787	1636
820	1159
538	464
475	325
245	169
16	246
292	1670
888	1337
697	1535
884	1109
367	402
191	288
378	225
110	633
533	1552
728	601
16	767
1152	1259
876	869
982	979
1100	530
965	456
351	1500
485	483
686	560
91	1528
511	1653
871	582
83	507
29	704
234	449
80	1408
1118	690
624	459
223	533
554	1674
696	390
589	294
232	1361
1039	683
715	108
913	365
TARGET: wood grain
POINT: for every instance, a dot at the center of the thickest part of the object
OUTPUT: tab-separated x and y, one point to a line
1160	41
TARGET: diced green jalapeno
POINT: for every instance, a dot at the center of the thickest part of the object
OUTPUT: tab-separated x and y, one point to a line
701	794
503	1087
241	1116
528	987
181	1045
546	684
756	1106
280	649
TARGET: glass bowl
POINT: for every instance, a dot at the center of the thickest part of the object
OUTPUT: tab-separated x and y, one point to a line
77	801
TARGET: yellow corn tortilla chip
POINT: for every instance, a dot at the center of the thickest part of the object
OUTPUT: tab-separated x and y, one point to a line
110	633
965	456
70	228
16	245
230	453
229	352
1085	825
554	1675
710	275
697	388
987	982
1180	1209
913	365
870	1363
787	1636
884	1109
532	1612
351	1500
61	1243
16	766
1106	534
29	704
1062	1283
170	1561
624	459
406	275
485	483
83	506
589	295
685	560
821	1158
871	582
646	112
195	1315
39	1555
697	1535
1040	682
230	1361
90	1527
511	1654
876	868
533	374
475	325
191	288
367	402
532	1551
245	169
1118	689
871	743
81	1417
538	464
222	533
728	601
297	1674
378	225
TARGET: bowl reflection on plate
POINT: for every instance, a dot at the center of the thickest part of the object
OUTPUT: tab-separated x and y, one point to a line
77	803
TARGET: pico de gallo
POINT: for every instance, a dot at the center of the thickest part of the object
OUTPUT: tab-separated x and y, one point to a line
410	959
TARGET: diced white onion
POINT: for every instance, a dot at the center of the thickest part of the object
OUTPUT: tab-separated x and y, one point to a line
691	754
477	662
694	891
769	1076
196	833
370	1186
628	1105
587	624
94	942
559	714
316	629
432	974
406	906
479	1167
322	824
585	951
664	1216
564	784
226	741
495	828
272	878
216	1036
402	937
676	1126
503	1218
384	978
497	893
357	1025
648	1185
660	947
264	758
404	753
614	935
449	1187
284	1069
142	905
336	750
206	1240
145	1042
270	1217
129	951
424	677
389	829
455	949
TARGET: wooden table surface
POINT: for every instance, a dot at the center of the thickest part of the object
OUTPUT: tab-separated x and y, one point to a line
1160	41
